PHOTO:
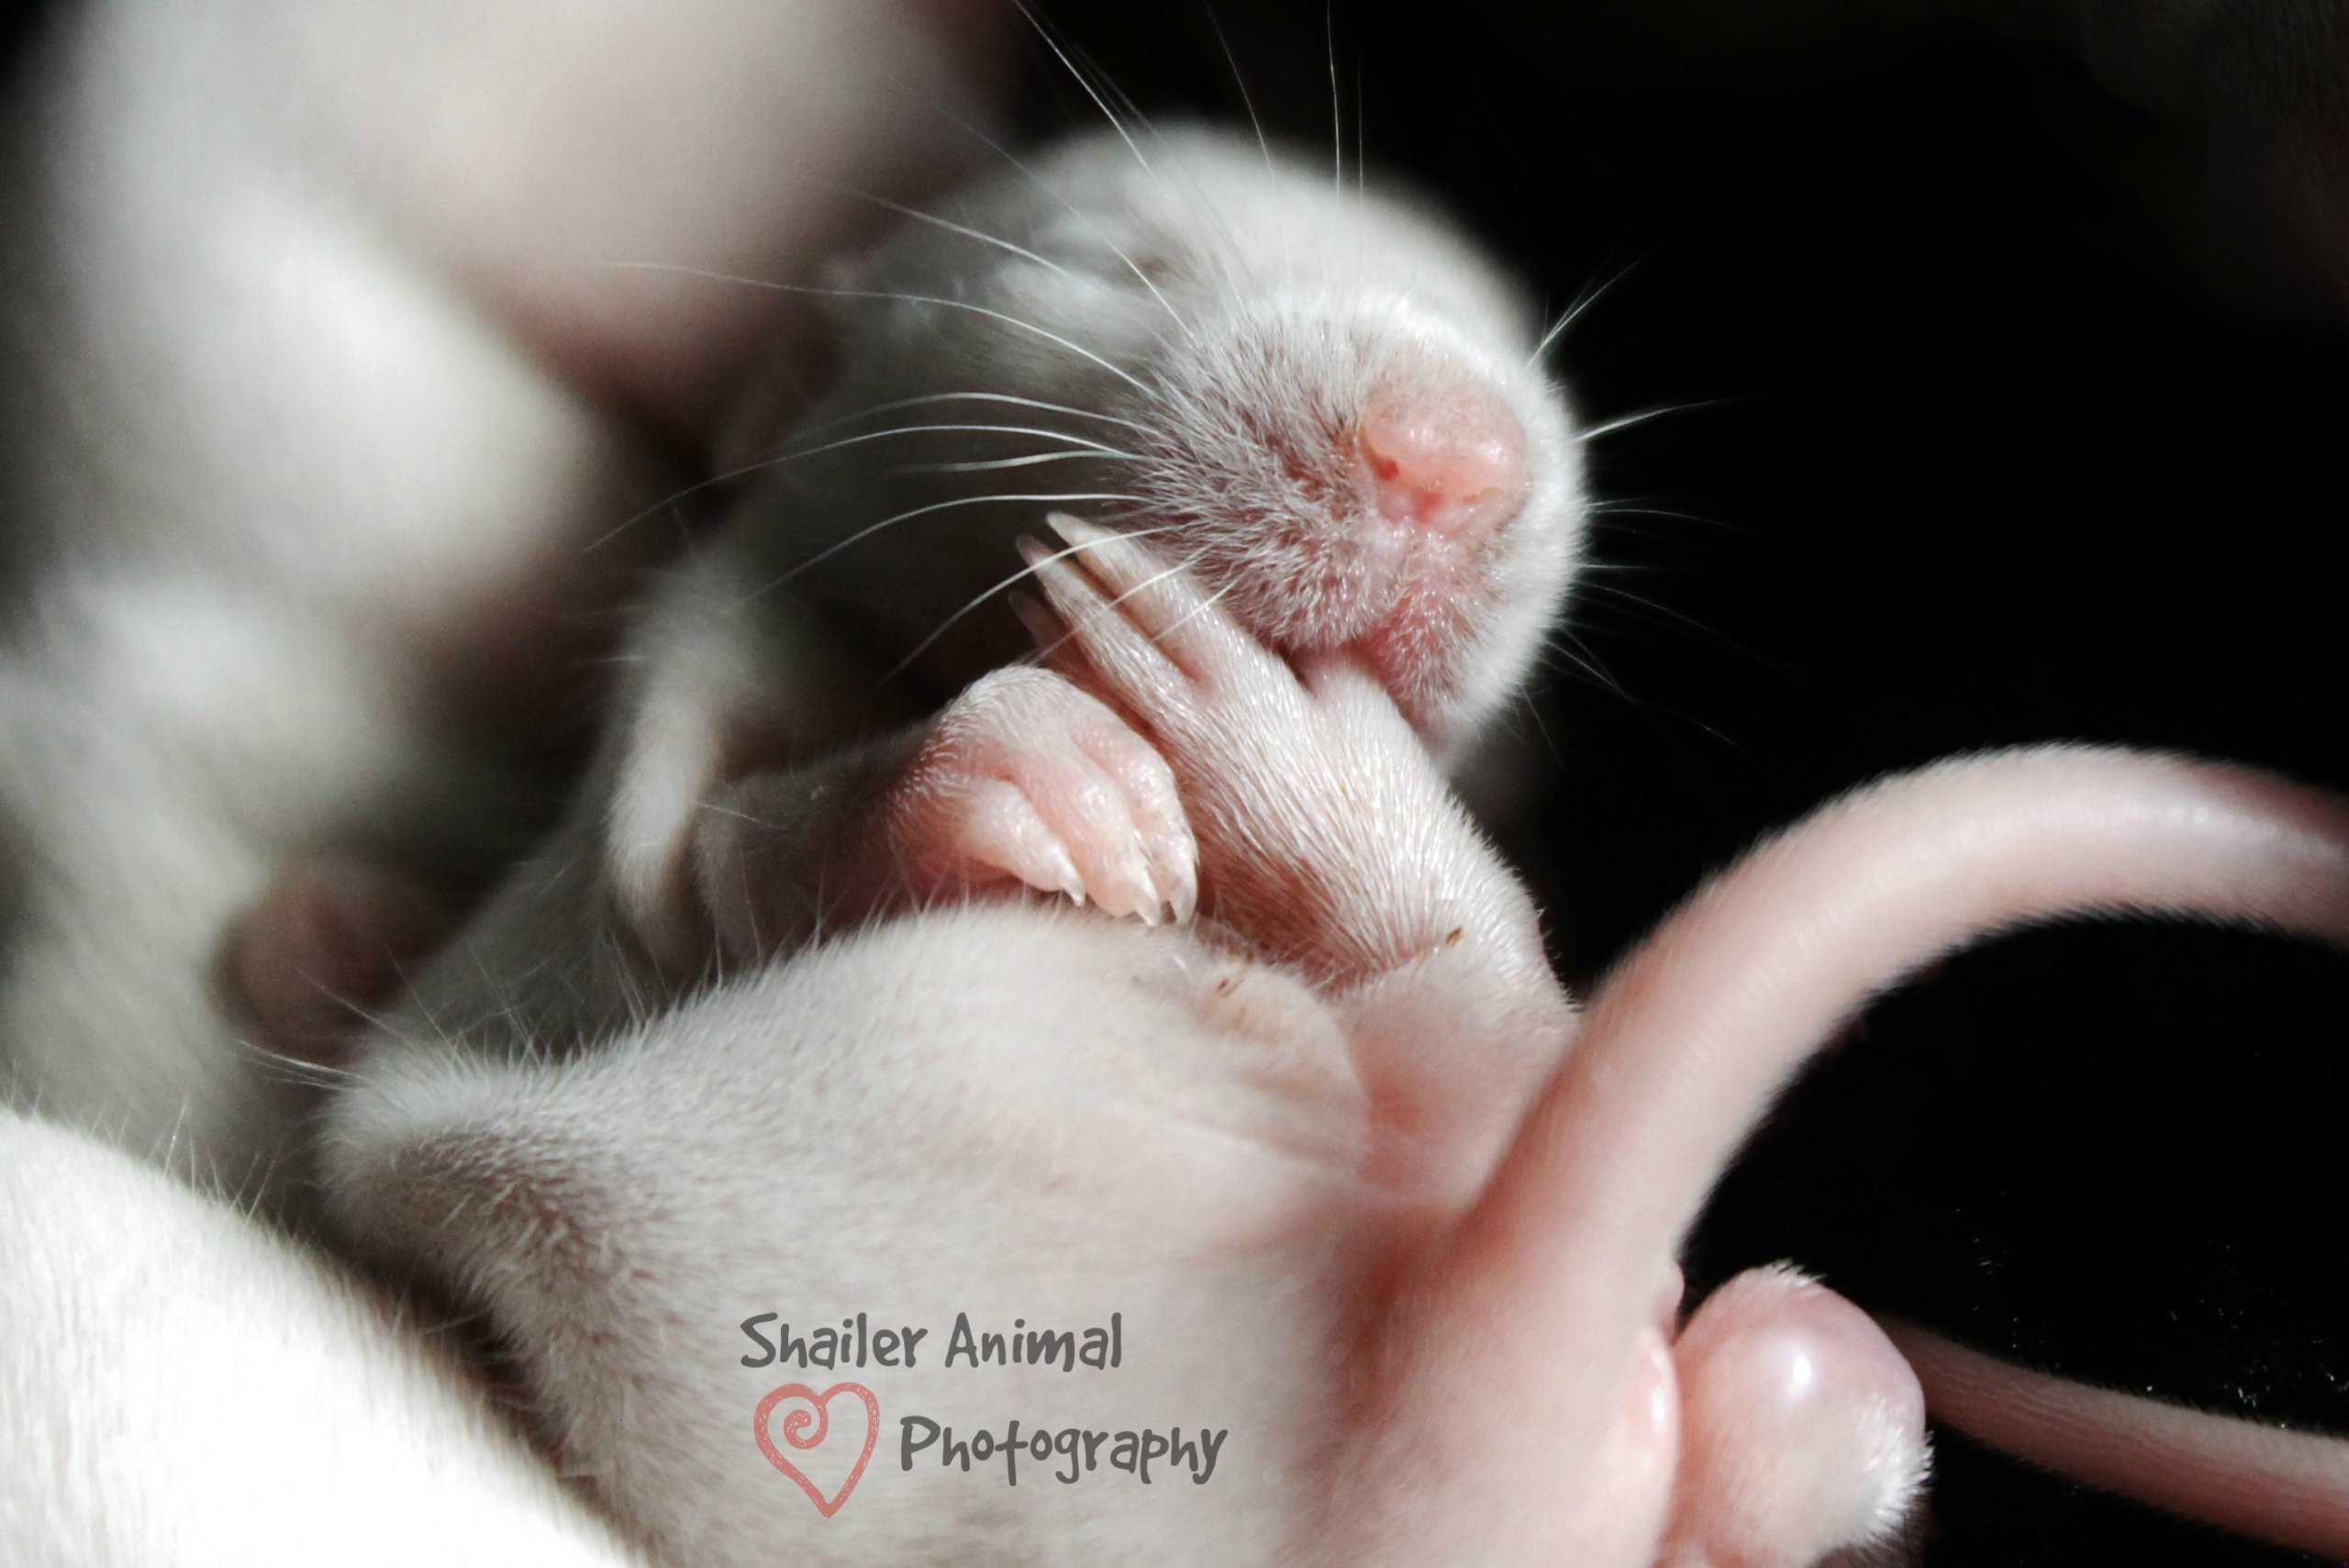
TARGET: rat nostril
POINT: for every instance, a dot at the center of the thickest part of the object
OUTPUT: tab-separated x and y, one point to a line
1449	455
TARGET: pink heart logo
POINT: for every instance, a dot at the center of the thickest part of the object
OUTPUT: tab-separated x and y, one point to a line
796	1433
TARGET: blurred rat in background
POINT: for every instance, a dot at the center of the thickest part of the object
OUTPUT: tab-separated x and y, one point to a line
316	397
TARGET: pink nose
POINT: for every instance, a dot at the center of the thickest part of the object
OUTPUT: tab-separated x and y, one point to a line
1446	455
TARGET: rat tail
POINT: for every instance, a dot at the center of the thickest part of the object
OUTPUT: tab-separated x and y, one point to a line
2291	1488
1689	1039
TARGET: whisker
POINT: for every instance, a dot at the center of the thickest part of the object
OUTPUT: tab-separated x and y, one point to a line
1579	660
1362	140
294	1069
869	530
1542	728
1184	565
1109	85
991	315
1573	313
1045	431
992	145
1083	81
1641	418
1031	461
903	402
1241	82
1617	510
1337	119
948	225
1660	610
1661	614
1652	713
793	455
1202	608
1013	581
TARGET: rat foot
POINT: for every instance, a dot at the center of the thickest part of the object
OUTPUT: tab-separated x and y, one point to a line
1023	778
1025	775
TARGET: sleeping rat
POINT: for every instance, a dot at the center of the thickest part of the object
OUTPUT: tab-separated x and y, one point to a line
1325	404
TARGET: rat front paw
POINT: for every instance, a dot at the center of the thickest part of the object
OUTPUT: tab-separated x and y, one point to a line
1026	777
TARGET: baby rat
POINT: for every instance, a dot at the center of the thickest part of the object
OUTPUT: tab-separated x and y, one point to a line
1010	781
1326	405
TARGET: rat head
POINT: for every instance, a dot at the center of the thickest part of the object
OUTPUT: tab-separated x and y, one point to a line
1323	402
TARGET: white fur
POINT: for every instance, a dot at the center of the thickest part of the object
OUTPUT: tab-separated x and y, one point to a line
266	476
179	1385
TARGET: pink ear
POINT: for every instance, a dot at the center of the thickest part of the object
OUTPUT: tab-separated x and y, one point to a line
1514	1342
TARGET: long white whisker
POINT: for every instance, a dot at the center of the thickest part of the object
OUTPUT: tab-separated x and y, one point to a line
1031	460
1241	82
869	530
1664	616
1013	581
1049	434
1098	102
1210	602
1642	417
992	145
1636	508
1337	119
991	315
1183	565
903	402
964	229
1573	313
793	455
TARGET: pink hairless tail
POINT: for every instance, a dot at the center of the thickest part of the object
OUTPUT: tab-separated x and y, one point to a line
1684	1047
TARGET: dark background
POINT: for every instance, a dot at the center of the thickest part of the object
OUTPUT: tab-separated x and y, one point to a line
1978	463
1981	462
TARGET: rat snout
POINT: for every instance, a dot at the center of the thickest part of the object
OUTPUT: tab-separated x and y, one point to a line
1444	452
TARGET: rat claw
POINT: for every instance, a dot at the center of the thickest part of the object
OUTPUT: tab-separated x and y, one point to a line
1044	628
1065	868
1173	863
1134	873
1164	602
